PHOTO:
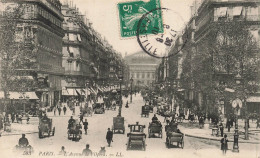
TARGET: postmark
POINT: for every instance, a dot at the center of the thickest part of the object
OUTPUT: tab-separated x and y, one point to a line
131	12
156	43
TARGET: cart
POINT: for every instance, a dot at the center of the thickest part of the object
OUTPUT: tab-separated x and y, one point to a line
99	108
118	125
173	134
136	137
74	131
155	129
45	128
145	111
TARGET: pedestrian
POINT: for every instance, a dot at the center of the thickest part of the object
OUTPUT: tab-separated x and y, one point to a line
228	125
87	151
85	126
64	110
17	117
62	152
54	111
224	144
258	122
59	110
109	137
127	104
221	128
12	117
81	117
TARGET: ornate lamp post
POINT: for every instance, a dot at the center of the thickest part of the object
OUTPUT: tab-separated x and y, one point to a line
120	76
236	104
131	82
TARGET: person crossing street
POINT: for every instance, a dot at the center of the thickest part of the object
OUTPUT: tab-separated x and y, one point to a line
109	137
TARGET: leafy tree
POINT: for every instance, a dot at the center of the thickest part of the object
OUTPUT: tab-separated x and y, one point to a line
16	54
227	50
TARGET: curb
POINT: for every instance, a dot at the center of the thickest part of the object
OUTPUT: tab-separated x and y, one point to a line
18	134
216	139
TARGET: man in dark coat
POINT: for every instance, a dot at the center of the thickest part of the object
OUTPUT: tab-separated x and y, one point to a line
23	142
85	124
64	110
221	128
224	144
59	110
109	136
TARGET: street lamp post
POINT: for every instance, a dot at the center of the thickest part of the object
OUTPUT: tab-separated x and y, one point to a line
131	82
120	86
236	104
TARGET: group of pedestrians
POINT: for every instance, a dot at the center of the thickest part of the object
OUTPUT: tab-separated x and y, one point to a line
85	152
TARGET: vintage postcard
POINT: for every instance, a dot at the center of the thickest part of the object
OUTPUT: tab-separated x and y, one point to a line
129	78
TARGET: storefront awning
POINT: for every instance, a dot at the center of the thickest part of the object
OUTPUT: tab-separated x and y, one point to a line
20	95
100	89
253	99
69	91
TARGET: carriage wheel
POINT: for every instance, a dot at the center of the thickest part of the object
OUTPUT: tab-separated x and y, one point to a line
40	134
168	143
182	144
161	133
144	146
123	131
53	131
128	145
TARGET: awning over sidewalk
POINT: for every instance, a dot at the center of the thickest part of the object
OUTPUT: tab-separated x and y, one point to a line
23	95
73	91
253	99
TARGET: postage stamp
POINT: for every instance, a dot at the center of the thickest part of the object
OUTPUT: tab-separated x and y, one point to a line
131	12
156	43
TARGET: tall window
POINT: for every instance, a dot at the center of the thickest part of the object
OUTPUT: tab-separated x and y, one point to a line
148	75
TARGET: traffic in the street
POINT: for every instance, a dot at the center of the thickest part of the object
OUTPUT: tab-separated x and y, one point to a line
150	143
130	79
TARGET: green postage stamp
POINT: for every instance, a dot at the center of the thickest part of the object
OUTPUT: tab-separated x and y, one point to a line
131	12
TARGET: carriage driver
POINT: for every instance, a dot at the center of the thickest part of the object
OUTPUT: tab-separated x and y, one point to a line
154	119
71	121
23	142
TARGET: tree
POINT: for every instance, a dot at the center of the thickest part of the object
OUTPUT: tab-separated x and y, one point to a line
17	50
228	50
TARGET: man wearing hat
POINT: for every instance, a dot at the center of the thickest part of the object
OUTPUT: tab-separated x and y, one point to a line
109	136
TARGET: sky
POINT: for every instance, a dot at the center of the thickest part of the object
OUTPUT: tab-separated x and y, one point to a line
105	18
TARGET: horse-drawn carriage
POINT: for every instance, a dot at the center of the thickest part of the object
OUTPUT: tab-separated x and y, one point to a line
87	111
118	124
136	137
173	134
145	111
45	127
99	108
74	130
155	128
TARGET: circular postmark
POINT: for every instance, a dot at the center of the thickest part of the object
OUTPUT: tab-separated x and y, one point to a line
159	31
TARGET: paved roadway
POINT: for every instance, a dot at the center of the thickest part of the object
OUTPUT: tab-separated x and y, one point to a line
98	125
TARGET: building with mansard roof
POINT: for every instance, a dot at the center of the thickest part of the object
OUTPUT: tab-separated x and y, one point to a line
142	68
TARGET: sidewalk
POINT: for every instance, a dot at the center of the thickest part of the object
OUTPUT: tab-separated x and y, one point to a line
193	130
32	127
18	129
